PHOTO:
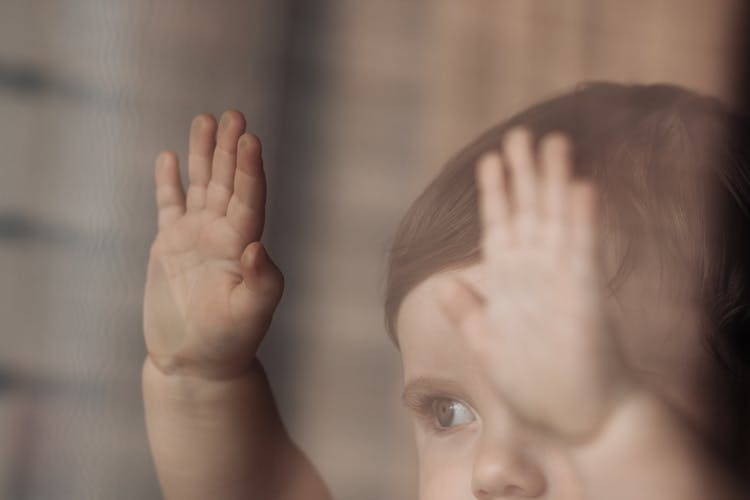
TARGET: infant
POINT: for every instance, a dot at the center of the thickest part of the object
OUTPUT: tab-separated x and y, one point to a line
568	296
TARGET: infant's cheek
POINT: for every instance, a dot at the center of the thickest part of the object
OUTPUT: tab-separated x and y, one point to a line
563	480
446	487
444	475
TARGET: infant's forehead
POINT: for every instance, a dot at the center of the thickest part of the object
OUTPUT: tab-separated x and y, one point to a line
473	274
644	283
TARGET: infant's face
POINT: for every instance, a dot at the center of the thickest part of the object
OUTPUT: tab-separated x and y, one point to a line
467	441
470	446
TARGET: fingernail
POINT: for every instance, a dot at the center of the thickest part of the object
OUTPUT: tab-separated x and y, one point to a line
249	258
258	257
224	121
163	158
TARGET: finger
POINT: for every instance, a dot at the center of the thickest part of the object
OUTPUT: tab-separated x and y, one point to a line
556	171
231	126
583	218
517	148
493	202
200	150
494	207
464	308
246	211
255	298
170	198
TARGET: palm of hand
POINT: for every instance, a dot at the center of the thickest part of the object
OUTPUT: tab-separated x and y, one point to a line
541	332
206	311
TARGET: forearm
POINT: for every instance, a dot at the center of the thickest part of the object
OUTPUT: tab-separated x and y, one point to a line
223	439
648	452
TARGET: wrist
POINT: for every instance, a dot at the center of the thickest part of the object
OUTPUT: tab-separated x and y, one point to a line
216	438
186	366
197	396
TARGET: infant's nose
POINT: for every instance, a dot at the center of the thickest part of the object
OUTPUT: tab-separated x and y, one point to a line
501	470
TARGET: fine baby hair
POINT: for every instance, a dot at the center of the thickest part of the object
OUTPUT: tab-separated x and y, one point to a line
672	175
530	368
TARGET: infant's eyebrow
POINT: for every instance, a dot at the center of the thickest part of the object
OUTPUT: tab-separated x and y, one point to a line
422	385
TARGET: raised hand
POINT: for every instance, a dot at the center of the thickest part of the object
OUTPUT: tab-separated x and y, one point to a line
211	289
539	328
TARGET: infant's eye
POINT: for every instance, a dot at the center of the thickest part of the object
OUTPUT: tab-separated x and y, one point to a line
450	413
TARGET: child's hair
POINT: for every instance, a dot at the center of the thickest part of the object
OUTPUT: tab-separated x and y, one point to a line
671	168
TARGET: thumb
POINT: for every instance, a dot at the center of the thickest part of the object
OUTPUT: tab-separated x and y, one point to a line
263	281
464	308
260	291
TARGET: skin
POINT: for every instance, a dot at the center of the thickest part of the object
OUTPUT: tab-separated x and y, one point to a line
528	382
487	449
211	291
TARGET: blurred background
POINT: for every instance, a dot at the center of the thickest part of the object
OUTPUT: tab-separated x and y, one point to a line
358	104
